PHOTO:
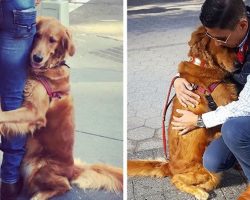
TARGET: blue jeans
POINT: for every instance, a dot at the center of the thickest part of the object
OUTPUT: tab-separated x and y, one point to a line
234	145
17	28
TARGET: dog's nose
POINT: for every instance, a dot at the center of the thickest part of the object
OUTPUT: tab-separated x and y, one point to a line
37	58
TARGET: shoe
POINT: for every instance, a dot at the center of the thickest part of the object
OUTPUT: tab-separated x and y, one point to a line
245	195
10	191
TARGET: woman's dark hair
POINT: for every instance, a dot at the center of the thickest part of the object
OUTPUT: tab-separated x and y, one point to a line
223	14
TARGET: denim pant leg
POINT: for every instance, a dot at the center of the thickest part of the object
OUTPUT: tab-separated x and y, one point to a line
12	98
16	36
236	135
218	157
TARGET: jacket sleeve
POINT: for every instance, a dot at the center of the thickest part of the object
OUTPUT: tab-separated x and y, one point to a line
238	108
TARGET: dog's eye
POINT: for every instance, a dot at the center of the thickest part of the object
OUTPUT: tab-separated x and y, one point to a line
52	40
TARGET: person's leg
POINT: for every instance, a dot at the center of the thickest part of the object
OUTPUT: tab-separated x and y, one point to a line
11	98
16	36
236	135
217	157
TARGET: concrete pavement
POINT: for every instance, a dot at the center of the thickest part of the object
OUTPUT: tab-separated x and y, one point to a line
97	81
158	32
96	77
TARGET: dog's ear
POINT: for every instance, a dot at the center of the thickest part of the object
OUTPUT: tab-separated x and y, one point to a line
67	43
198	36
39	21
198	42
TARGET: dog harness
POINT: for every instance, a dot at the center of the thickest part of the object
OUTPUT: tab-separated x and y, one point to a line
205	91
52	94
44	81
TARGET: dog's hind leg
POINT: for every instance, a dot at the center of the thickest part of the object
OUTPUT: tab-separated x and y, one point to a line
186	183
212	182
46	184
55	185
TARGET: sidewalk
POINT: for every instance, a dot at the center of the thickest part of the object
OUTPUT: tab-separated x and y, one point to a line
158	33
96	71
96	83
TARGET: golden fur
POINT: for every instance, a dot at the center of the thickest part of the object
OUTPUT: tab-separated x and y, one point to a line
185	152
48	167
245	195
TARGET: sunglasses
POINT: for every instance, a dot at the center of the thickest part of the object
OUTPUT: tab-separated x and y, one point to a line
222	40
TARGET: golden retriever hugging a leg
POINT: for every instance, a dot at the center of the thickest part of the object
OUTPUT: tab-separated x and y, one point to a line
49	168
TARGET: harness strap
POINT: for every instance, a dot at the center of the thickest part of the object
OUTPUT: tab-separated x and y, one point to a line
44	81
50	92
207	92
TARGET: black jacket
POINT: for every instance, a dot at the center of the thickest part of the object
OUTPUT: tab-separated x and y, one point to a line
240	76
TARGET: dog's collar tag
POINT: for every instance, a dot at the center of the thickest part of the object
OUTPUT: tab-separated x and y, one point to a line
196	61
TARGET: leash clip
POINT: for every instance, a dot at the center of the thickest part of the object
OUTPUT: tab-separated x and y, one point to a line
211	103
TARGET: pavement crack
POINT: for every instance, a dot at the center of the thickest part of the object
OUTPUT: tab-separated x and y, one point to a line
102	136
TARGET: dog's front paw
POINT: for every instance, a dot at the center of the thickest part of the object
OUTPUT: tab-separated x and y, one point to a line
202	195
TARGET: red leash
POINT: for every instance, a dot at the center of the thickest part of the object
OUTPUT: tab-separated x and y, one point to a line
167	104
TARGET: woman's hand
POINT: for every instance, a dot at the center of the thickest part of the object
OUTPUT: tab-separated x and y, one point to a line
184	93
185	123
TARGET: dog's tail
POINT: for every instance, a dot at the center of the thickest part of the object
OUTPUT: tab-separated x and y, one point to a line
97	176
151	168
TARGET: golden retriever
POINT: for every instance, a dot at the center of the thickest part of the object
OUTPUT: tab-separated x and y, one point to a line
47	112
185	152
